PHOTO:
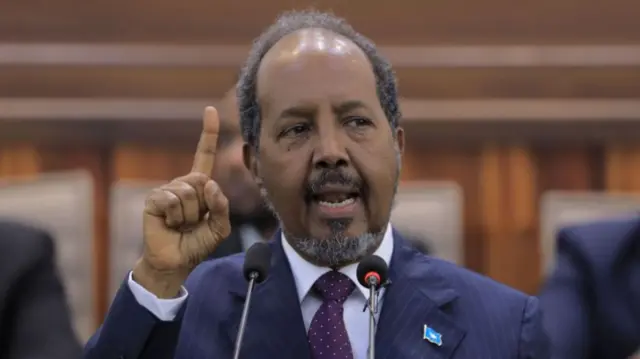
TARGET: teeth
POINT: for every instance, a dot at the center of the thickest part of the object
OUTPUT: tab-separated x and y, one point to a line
346	202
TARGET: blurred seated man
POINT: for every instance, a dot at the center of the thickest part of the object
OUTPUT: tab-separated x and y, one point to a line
591	302
34	316
251	221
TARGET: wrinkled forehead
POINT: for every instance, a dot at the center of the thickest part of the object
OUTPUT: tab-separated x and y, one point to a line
314	66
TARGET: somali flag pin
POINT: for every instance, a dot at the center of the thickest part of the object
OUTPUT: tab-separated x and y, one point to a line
432	336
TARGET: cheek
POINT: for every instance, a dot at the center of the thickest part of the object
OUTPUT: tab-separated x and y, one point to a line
381	175
283	180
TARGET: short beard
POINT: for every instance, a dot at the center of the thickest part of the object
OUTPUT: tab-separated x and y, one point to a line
337	250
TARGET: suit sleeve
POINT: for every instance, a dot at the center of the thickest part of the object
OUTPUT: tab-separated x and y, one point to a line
41	314
564	301
534	343
130	331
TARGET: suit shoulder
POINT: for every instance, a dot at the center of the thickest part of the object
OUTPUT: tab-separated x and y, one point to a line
599	241
19	239
480	297
225	269
466	280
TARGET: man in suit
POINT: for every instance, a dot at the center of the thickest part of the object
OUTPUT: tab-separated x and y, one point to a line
592	299
251	220
320	118
34	316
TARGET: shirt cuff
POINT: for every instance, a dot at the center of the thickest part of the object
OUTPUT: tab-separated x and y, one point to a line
164	309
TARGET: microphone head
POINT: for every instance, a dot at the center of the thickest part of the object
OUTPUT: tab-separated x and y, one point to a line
372	266
257	260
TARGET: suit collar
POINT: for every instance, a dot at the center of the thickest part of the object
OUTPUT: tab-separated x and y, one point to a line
419	295
305	274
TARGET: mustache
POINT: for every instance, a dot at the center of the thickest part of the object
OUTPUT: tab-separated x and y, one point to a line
333	177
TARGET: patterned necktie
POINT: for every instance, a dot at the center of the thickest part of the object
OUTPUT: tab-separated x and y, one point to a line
328	338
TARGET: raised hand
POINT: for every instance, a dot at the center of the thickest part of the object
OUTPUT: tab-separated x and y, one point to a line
184	220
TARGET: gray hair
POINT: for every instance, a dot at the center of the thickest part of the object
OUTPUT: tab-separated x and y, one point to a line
288	23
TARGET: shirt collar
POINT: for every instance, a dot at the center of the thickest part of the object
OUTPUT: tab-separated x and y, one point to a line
249	236
305	274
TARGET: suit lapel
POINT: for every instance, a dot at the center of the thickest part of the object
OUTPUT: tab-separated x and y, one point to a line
275	328
417	296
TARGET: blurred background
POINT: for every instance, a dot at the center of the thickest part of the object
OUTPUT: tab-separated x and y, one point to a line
520	116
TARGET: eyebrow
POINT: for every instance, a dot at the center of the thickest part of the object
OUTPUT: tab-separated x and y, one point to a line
349	106
307	111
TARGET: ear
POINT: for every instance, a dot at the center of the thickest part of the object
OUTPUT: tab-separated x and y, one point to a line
250	159
400	139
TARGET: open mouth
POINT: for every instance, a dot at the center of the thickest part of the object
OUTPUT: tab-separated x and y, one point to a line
335	199
336	204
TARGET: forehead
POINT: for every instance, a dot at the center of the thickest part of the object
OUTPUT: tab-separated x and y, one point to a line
312	66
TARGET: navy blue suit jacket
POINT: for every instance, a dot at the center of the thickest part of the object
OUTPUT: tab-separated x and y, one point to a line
592	300
477	317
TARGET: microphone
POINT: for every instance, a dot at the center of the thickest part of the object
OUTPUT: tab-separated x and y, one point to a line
372	273
255	270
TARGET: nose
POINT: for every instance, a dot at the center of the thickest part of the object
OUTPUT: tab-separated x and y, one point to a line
330	153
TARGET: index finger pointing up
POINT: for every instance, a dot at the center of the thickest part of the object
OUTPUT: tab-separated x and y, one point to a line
206	151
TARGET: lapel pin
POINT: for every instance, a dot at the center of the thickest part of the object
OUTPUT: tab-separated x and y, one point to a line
432	336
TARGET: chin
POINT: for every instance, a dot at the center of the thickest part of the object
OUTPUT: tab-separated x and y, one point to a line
339	228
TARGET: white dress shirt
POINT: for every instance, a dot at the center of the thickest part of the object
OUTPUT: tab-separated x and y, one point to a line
305	274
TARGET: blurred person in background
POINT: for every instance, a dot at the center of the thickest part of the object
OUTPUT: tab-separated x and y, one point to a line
591	302
34	315
251	220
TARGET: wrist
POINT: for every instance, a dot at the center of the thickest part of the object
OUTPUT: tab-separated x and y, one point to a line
163	284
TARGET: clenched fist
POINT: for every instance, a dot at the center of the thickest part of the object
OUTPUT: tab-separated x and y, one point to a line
184	220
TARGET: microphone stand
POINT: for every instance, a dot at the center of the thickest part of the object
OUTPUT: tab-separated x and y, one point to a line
245	314
373	309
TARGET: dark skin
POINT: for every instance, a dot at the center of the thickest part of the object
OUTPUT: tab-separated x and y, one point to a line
320	110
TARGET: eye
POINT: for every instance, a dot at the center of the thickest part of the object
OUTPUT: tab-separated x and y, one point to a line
358	121
296	130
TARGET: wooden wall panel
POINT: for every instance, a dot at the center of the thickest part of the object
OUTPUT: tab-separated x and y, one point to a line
19	160
622	168
509	187
151	162
502	185
418	82
452	163
570	167
391	22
